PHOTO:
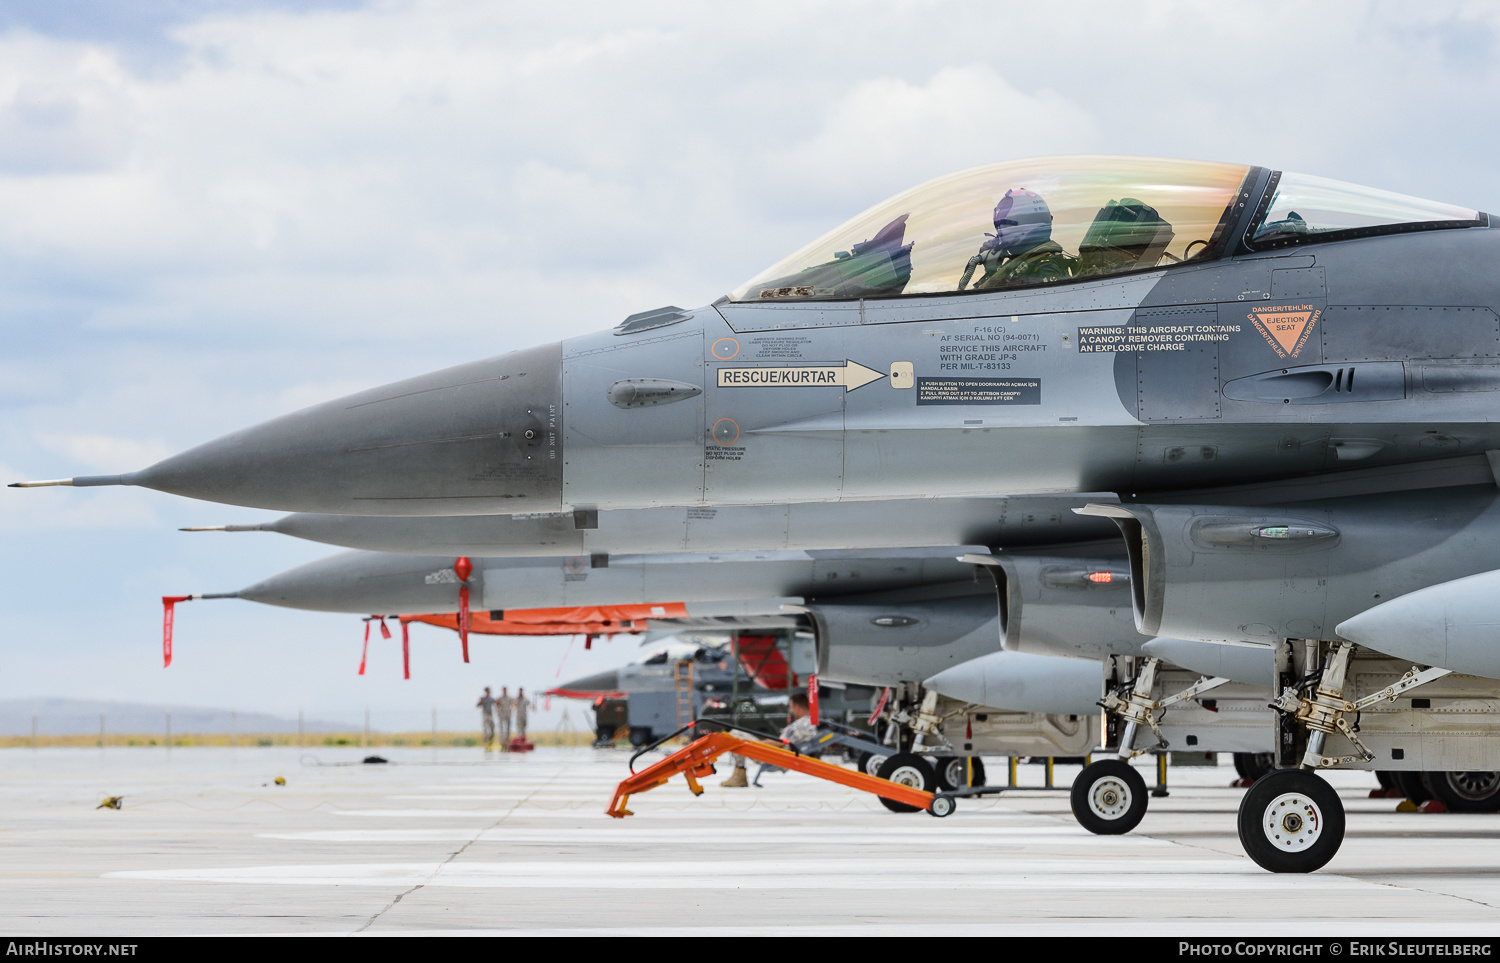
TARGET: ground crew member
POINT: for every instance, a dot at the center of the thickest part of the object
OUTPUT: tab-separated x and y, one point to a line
737	779
801	729
486	706
521	714
503	708
797	732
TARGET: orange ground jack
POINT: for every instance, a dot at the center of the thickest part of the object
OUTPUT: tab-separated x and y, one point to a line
695	761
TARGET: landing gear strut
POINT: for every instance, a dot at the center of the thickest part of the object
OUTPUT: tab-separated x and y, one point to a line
1109	797
1291	821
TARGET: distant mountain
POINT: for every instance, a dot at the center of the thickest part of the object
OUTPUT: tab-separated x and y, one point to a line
62	717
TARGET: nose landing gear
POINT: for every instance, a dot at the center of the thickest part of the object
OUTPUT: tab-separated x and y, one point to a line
1109	797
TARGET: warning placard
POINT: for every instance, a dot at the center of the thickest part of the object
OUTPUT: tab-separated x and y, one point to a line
1158	337
979	391
1285	327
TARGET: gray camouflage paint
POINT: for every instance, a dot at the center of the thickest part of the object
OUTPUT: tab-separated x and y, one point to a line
1020	521
1144	385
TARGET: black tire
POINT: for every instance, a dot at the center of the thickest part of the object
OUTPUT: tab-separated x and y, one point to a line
1466	792
942	806
1412	785
1386	779
1253	765
1109	797
953	772
640	736
908	770
1291	821
869	763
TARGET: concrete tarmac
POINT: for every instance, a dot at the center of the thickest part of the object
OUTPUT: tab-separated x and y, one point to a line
454	842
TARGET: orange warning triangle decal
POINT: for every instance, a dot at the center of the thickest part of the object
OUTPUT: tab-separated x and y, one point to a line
1286	327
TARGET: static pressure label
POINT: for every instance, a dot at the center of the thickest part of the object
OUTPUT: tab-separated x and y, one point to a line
979	391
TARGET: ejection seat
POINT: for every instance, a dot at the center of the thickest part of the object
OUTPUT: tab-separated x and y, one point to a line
878	266
1126	235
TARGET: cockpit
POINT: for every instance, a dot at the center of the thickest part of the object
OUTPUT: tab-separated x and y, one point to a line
1062	219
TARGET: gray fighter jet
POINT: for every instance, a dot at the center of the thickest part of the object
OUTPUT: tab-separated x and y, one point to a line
1013	522
1288	381
1140	325
888	618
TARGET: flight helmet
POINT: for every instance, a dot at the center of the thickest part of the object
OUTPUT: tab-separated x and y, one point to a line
1022	221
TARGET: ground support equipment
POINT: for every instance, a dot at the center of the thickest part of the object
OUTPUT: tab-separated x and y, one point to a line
695	761
855	743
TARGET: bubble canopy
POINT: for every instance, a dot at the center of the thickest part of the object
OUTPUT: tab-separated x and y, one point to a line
1026	222
1302	209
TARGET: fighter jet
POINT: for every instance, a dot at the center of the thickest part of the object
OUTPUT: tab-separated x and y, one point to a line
889	619
650	689
1285	379
1138	325
693	589
1013	522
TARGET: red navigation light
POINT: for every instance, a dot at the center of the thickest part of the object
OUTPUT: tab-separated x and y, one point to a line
1101	576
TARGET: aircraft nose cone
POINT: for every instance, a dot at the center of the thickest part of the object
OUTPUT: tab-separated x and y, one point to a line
599	682
478	438
366	583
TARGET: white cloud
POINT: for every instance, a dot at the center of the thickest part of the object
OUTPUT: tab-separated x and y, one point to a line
63	108
104	452
960	117
39	511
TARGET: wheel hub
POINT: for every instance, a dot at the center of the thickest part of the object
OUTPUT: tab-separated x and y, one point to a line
1109	798
1474	786
1293	822
908	776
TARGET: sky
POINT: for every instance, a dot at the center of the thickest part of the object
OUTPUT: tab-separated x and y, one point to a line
213	213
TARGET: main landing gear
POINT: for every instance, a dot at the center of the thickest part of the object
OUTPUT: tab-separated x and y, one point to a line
1291	821
1109	797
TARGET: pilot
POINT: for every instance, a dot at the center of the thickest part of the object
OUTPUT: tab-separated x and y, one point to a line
1021	251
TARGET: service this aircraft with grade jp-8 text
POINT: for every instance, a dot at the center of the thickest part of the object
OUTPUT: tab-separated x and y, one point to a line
1295	352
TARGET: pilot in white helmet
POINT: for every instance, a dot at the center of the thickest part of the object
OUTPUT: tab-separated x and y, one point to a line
1021	251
